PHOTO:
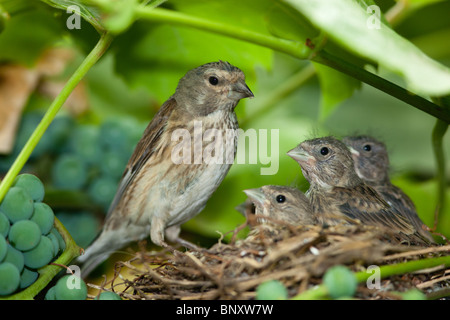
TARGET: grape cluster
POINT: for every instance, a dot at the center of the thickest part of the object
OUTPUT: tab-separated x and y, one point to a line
76	156
74	288
95	158
28	239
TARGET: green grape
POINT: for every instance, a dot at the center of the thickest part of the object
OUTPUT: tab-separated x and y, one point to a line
17	204
340	282
113	134
32	185
43	216
24	235
107	295
3	247
271	290
50	295
84	143
69	172
83	226
15	257
55	243
6	162
41	255
4	224
58	132
9	278
102	191
413	294
61	243
134	134
70	288
113	164
28	124
27	278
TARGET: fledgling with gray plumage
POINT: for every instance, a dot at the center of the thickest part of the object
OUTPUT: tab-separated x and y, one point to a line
372	165
336	193
280	203
157	195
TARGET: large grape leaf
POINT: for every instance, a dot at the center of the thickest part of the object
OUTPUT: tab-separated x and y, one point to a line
336	87
87	12
156	55
358	31
29	31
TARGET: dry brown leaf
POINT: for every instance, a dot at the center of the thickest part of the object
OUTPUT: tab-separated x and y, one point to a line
16	85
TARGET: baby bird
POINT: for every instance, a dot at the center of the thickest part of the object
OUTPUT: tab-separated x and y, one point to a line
281	203
336	193
372	165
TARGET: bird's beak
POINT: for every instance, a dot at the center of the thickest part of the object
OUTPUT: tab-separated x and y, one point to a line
256	195
298	154
240	90
353	151
242	208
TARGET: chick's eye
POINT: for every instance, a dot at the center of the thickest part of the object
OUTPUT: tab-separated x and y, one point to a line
367	147
280	198
324	151
213	80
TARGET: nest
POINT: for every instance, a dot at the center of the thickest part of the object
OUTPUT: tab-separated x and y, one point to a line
296	256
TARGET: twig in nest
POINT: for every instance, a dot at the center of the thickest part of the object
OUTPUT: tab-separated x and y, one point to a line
234	270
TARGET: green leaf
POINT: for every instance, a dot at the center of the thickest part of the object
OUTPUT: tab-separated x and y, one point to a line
117	15
87	12
335	87
109	94
424	196
157	55
4	17
362	33
19	44
283	22
417	4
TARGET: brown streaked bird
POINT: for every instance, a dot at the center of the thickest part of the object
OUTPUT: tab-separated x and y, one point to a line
160	189
372	165
281	203
336	193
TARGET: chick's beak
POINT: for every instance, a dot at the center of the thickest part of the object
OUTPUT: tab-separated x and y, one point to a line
353	151
299	154
240	90
256	195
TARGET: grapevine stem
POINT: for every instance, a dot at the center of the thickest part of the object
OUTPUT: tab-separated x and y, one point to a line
26	151
296	49
321	292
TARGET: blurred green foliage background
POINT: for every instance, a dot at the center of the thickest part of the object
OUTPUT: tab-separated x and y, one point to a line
143	65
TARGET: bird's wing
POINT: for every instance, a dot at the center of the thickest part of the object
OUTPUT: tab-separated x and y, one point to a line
399	200
364	203
144	149
404	205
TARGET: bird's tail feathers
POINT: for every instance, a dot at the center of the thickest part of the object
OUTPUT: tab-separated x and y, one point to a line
100	250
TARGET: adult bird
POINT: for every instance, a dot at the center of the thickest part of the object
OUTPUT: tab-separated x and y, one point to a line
181	159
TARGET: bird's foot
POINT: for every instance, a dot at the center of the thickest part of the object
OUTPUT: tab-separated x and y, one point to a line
188	245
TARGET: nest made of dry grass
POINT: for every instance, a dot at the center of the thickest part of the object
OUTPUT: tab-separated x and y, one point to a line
296	256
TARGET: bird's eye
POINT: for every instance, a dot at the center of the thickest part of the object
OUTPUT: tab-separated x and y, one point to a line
213	80
367	147
280	198
324	151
